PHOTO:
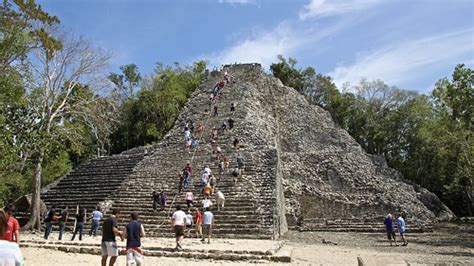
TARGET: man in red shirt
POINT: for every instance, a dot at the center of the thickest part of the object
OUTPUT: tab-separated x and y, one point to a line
13	227
198	223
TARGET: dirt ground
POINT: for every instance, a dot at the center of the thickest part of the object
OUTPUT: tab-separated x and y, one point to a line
447	245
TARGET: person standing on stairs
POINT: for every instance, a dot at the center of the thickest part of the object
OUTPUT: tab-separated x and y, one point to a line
236	144
220	200
240	164
133	232
80	219
62	222
401	228
231	123
50	218
198	226
215	111
178	221
390	229
189	198
96	217
232	108
156	200
109	243
163	199
208	222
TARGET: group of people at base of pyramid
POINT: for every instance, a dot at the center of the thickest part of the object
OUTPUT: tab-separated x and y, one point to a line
399	220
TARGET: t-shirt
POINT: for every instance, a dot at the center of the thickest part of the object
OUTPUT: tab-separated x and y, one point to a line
49	216
12	227
10	254
97	215
64	215
219	195
133	234
206	203
107	228
198	217
187	134
207	170
179	217
189	195
208	217
388	224
80	217
189	219
401	224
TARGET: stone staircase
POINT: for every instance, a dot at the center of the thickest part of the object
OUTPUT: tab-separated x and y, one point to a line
248	211
91	183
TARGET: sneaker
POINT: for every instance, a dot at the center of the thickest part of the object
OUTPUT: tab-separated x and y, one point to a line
179	246
404	244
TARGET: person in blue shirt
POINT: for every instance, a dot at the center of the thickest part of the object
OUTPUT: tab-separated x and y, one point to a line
401	228
390	229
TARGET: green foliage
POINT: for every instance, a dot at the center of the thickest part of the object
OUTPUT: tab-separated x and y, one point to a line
148	117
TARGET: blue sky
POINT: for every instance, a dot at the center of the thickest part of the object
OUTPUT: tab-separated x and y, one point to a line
407	43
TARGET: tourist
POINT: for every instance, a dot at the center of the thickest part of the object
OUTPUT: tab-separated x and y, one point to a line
235	174
181	182
189	223
390	230
198	223
186	177
10	253
224	127
204	179
200	128
207	170
214	135
212	183
188	168
50	217
80	219
12	233
231	123
240	164
109	243
163	199
133	232
236	144
232	108
194	143
156	200
178	221
206	203
208	222
215	111
189	198
220	199
207	190
220	167
401	228
187	134
226	163
62	222
96	218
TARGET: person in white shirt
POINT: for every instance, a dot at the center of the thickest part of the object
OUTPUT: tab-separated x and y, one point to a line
207	170
189	198
189	222
220	200
208	222
206	203
179	221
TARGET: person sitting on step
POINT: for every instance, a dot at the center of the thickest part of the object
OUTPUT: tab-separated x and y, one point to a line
207	190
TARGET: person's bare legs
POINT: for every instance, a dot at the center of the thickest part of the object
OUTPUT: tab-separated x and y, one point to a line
104	261
112	260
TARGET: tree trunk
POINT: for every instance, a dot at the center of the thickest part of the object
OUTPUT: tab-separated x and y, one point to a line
35	208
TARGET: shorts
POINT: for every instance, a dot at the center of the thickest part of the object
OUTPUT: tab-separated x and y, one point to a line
207	229
134	256
189	226
390	235
109	248
179	230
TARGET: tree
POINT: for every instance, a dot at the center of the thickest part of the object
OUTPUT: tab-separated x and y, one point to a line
127	82
55	78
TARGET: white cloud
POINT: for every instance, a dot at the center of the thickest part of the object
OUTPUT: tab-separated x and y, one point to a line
409	60
263	47
324	8
240	2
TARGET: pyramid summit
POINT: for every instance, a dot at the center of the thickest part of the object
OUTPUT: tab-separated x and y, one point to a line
301	170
